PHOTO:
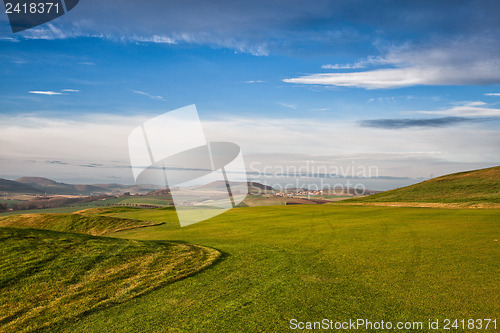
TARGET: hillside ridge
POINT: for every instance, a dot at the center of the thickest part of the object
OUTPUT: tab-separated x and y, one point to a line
471	187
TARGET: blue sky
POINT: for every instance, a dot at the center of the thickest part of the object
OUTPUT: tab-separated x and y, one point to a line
412	88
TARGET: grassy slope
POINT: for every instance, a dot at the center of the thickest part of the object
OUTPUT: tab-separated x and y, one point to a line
478	186
92	221
319	261
49	277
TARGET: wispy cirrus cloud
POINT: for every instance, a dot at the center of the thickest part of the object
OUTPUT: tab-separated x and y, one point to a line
47	32
52	93
344	66
160	98
51	32
156	39
383	99
9	39
492	94
44	92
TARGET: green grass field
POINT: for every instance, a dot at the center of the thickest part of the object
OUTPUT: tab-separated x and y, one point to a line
311	262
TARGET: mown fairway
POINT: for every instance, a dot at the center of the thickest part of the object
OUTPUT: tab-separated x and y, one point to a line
314	262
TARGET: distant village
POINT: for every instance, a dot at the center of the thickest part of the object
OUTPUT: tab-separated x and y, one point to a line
298	193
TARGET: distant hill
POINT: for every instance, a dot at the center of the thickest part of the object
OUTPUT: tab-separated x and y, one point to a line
120	188
254	187
52	187
37	185
16	187
477	186
37	181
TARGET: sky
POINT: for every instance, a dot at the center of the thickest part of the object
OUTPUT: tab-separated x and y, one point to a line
409	88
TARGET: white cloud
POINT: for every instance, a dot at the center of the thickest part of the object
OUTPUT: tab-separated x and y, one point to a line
254	81
148	95
343	66
458	62
156	39
402	77
51	32
200	38
492	94
39	92
9	39
470	109
383	99
49	92
204	38
48	32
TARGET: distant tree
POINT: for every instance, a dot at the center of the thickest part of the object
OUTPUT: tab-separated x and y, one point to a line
2	207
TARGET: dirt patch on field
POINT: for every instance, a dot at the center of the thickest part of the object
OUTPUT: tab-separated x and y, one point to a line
425	204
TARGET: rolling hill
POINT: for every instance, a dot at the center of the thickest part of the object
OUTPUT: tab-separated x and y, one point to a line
38	185
475	187
52	187
12	186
